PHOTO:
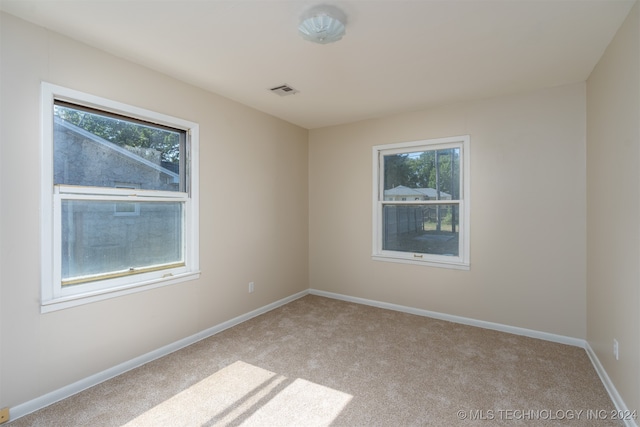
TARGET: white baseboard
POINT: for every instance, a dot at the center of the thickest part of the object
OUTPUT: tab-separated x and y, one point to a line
606	381
67	391
576	342
71	389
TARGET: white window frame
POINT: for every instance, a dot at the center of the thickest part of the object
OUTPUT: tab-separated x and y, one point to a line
461	261
55	296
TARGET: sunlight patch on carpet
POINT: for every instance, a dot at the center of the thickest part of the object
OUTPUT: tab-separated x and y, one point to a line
243	394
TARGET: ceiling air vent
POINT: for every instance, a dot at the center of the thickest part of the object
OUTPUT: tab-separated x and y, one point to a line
283	90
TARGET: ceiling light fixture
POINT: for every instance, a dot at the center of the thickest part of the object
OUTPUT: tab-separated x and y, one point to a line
323	24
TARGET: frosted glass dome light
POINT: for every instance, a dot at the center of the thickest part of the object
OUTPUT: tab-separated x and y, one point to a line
322	24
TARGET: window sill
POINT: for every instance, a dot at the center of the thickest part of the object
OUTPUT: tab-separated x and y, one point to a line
427	263
62	303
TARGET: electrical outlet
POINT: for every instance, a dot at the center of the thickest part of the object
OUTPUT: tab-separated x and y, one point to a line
251	286
615	348
4	415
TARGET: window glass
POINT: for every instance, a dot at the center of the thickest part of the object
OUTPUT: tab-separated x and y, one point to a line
99	150
97	243
421	229
119	197
421	209
422	175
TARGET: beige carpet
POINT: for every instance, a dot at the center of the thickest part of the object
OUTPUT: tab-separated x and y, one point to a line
320	362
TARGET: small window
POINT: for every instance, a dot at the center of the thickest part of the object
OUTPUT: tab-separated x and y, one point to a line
122	190
126	208
421	202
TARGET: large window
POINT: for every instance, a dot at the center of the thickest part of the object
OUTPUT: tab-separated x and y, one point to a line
421	202
120	197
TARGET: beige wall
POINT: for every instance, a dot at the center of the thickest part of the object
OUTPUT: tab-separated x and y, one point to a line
254	214
527	212
613	209
291	215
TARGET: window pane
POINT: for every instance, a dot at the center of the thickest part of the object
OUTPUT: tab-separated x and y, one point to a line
92	149
97	240
425	229
422	175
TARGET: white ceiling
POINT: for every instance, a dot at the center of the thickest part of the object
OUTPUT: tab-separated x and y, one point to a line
397	55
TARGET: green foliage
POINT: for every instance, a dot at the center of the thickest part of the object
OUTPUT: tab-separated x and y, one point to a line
420	170
125	133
